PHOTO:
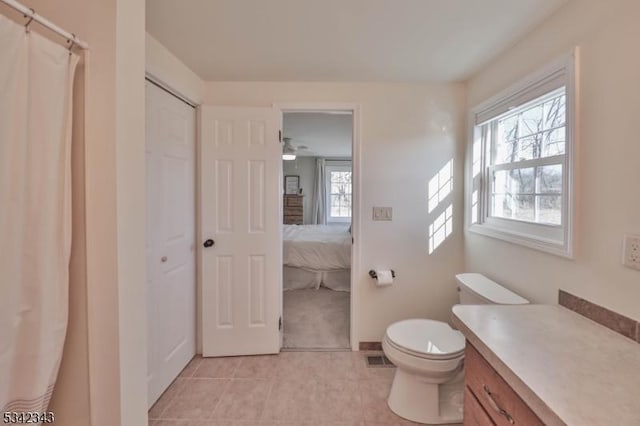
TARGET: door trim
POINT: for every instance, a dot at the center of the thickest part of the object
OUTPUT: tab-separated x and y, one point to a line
169	89
356	206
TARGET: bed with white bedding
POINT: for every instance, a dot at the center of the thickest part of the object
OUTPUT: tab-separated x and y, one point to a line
316	255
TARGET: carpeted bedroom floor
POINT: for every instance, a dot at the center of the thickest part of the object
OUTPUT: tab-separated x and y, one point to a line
316	319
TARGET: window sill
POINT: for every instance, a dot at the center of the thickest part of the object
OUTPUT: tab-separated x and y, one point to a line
547	246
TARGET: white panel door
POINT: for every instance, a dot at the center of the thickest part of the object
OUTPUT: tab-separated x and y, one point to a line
170	242
240	168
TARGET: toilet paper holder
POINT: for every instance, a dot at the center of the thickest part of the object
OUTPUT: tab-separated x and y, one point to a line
373	274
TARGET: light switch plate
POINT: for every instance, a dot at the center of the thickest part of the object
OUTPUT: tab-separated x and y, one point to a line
387	213
383	213
631	251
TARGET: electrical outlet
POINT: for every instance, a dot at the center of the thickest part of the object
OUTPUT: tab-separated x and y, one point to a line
631	251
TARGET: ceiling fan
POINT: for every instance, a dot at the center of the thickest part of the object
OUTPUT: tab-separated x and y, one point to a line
290	149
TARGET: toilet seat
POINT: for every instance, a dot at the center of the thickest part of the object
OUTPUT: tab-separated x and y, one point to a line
424	338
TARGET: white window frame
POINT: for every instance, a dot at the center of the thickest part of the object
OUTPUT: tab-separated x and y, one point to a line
342	166
554	239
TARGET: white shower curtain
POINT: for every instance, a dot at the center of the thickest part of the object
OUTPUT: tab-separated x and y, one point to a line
36	79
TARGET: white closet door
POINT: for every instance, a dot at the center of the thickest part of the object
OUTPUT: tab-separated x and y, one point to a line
170	245
240	163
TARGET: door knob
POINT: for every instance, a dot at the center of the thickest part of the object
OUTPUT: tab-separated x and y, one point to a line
209	243
163	259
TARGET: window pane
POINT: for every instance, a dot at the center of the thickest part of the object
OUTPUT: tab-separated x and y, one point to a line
554	142
524	207
341	177
517	181
508	206
506	151
528	148
549	209
508	128
340	205
555	112
531	121
549	179
535	132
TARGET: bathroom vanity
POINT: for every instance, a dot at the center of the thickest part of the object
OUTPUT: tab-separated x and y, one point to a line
544	364
489	400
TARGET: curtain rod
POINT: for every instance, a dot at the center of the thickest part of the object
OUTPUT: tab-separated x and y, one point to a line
31	14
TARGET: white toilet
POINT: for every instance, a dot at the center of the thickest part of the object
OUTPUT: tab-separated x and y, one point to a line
428	386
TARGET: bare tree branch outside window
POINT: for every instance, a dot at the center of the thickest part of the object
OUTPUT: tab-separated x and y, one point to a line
530	193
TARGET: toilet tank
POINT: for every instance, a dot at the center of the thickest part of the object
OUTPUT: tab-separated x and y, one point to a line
476	289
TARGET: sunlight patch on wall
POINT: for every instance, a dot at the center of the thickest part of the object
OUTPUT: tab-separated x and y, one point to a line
440	229
477	157
474	207
441	185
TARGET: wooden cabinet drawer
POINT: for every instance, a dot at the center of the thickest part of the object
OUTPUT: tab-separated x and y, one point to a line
474	414
292	219
497	398
293	210
293	200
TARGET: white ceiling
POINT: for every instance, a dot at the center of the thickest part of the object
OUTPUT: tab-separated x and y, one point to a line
341	40
325	135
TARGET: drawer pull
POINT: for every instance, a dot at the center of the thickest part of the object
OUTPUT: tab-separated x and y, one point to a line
496	407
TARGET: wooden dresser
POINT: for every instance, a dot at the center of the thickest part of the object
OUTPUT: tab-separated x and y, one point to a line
292	209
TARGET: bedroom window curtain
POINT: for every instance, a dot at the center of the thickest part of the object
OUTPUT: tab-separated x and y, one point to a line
36	80
318	206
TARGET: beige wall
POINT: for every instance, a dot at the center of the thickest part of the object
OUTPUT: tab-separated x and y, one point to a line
71	395
131	210
408	133
165	67
103	371
608	204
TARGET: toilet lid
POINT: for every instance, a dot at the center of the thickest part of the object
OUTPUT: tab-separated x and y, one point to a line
427	338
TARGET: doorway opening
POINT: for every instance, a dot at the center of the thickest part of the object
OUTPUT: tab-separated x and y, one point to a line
318	207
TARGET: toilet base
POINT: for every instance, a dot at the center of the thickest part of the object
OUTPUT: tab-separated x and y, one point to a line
420	401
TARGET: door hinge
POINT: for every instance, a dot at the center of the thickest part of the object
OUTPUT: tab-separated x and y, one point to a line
280	135
280	323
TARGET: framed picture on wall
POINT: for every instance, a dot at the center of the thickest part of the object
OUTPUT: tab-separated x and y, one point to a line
291	184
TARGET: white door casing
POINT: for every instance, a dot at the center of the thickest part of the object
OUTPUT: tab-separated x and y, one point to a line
240	187
170	237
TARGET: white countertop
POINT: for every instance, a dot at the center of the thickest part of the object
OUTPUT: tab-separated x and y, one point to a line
567	368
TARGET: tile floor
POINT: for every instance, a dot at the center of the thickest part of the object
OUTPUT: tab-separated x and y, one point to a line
292	388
